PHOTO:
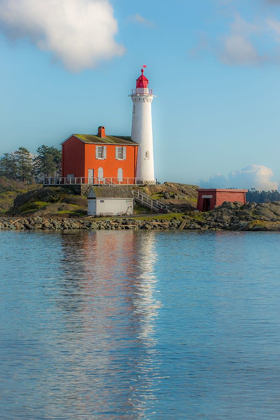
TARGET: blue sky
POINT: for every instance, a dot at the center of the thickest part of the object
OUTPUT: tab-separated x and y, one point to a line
69	65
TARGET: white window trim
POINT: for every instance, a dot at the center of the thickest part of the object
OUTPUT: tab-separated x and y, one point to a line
104	153
123	148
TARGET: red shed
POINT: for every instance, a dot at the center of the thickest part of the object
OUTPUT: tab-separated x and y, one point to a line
210	198
95	159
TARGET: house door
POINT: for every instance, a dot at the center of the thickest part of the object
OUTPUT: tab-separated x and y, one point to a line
90	176
100	175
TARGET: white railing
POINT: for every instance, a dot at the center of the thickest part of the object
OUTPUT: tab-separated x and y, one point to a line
142	91
92	181
149	202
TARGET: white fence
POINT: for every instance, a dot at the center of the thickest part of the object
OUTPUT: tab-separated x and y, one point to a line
92	181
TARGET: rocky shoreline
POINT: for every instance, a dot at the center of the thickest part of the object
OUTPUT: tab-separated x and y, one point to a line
229	216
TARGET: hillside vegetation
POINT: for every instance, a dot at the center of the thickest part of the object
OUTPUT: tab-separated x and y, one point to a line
49	201
179	197
10	189
17	199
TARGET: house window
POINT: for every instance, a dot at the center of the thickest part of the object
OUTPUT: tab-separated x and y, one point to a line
120	153
120	175
100	152
100	174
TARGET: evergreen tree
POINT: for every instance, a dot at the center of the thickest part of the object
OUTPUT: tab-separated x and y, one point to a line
8	166
24	165
47	162
262	196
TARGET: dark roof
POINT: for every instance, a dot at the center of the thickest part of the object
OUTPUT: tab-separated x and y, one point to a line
117	191
230	190
94	139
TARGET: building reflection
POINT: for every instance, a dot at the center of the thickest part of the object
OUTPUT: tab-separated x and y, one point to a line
108	291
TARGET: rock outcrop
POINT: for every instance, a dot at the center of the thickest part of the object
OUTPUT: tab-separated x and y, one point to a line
228	216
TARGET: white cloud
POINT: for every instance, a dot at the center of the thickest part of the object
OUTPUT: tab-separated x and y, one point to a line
245	43
216	181
137	18
274	25
237	47
80	33
253	176
239	51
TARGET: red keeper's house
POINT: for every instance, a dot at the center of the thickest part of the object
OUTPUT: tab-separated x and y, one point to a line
208	199
99	159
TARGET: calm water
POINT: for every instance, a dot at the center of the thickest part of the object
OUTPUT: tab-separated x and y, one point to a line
148	325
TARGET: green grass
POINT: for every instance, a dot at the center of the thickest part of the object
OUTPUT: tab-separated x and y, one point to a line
78	213
163	216
157	196
198	216
31	207
6	200
138	209
259	223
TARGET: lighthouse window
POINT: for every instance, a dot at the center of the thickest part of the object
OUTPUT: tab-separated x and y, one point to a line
120	153
133	109
100	152
147	155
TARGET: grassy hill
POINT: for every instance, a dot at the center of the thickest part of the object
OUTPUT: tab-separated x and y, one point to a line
18	199
9	190
179	197
49	201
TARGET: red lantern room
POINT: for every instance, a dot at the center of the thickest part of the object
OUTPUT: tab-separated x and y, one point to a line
142	81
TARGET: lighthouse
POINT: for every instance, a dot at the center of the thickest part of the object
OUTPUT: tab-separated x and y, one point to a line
142	132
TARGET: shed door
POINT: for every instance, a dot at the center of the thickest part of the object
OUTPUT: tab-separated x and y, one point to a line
206	204
92	207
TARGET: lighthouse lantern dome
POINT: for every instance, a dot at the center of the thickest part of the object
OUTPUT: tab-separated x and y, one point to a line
142	81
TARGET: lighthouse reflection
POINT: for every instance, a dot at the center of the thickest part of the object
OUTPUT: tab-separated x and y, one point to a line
110	310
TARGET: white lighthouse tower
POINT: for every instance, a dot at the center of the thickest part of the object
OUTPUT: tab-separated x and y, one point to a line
142	132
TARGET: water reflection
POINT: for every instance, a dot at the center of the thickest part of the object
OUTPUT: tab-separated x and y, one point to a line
109	310
127	325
